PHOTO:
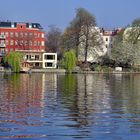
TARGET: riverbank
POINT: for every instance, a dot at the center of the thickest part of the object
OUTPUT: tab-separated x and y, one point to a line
74	72
48	70
78	72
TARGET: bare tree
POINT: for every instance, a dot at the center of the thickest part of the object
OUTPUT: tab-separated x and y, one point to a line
79	34
53	38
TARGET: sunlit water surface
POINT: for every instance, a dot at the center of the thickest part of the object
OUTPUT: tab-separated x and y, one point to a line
68	107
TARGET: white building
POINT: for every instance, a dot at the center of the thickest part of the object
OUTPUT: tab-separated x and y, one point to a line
49	60
40	59
103	36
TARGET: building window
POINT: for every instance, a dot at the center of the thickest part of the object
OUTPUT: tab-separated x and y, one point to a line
30	25
11	42
35	35
12	25
106	39
16	34
21	43
2	51
42	43
49	57
26	43
7	43
36	57
11	34
2	41
6	50
106	46
38	43
48	64
7	34
21	34
26	34
16	42
2	33
30	43
43	35
35	43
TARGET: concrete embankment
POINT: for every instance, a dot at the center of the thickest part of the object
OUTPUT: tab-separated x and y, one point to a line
48	70
78	72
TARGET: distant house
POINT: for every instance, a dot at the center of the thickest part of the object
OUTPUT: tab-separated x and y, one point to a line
103	36
21	36
29	39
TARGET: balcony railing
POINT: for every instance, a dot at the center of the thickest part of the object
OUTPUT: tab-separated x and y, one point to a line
2	45
2	36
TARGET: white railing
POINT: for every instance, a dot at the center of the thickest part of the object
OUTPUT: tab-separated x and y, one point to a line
2	45
2	36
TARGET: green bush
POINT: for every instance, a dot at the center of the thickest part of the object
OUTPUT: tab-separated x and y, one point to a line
69	60
103	69
14	60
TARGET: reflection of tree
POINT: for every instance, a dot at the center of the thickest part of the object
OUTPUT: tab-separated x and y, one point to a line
126	90
69	84
84	97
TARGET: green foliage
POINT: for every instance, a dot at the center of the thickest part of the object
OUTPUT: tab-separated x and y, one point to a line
103	69
14	60
69	60
69	84
122	53
118	38
132	33
136	22
78	35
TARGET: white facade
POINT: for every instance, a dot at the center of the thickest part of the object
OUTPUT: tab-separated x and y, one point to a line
106	42
39	60
49	60
107	45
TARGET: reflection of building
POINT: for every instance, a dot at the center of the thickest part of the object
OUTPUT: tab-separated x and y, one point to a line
25	94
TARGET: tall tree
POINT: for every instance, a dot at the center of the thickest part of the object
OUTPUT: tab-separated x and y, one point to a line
53	38
14	59
70	60
126	45
132	33
80	34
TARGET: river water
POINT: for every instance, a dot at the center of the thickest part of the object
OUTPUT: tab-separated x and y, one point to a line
70	107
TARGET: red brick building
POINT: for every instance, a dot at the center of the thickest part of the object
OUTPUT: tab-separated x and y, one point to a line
16	36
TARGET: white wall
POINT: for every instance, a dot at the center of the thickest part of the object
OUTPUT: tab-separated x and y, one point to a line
52	62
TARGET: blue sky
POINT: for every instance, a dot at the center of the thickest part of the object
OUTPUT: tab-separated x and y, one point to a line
108	13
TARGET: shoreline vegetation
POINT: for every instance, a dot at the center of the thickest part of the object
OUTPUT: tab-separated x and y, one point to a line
73	72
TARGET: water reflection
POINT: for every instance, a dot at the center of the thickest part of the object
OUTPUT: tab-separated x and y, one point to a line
69	106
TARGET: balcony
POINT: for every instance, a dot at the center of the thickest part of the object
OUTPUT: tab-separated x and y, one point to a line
2	37
2	45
